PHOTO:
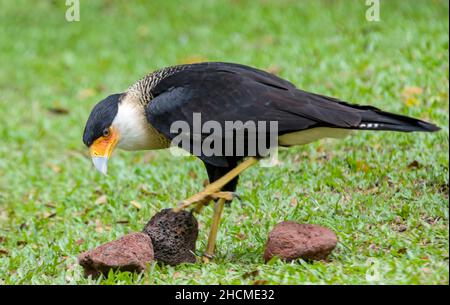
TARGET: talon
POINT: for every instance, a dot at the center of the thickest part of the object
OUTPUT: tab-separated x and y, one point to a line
228	196
237	196
207	258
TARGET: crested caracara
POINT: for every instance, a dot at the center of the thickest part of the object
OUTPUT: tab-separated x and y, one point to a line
142	117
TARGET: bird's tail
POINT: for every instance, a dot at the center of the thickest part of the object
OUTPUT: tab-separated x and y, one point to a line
375	119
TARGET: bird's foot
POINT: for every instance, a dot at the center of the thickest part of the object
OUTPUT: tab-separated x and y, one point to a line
203	198
207	258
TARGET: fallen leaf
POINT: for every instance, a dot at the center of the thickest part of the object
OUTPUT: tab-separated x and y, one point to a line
101	200
371	191
58	110
98	226
135	204
86	93
48	215
144	191
241	236
414	164
176	275
100	88
205	182
362	166
4	252
193	174
55	168
274	69
79	241
192	59
410	96
260	282
432	220
2	239
250	274
409	91
402	251
294	201
122	221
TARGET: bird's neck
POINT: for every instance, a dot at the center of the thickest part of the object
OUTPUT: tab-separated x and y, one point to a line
135	131
142	89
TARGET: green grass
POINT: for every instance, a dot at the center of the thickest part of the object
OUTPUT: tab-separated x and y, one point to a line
360	187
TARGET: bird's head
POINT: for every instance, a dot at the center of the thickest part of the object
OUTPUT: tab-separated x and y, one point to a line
100	134
116	121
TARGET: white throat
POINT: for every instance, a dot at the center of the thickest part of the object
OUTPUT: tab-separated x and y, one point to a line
135	133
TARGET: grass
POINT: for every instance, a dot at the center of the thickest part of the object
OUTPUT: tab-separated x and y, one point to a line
53	205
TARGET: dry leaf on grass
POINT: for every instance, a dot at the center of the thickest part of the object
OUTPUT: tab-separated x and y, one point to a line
274	69
101	200
192	59
414	164
58	110
144	191
135	204
411	95
294	201
86	93
122	222
250	274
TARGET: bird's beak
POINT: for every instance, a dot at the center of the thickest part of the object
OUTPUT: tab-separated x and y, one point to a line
102	149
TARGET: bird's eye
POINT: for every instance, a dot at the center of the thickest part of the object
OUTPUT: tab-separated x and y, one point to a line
106	132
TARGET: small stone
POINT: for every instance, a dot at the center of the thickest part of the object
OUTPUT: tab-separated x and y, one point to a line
290	240
173	236
131	253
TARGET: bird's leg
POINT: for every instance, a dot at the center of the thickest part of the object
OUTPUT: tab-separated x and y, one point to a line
212	191
218	208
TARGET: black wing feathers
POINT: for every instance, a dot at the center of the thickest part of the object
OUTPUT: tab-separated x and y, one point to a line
231	92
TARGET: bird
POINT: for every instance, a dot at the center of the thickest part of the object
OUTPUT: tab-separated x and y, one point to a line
142	118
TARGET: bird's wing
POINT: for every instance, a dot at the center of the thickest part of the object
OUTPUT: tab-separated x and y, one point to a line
229	92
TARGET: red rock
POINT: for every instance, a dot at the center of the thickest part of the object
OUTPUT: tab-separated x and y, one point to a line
131	253
290	240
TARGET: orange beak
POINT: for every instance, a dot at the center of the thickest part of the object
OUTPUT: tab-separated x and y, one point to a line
102	149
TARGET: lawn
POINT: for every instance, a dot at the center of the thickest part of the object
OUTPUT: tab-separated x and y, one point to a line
384	194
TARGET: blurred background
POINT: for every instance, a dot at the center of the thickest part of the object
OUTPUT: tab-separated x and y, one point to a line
53	71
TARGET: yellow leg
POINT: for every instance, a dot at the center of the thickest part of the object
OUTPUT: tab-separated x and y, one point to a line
208	193
218	208
212	192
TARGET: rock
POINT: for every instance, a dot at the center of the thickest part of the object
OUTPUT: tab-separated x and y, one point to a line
173	236
131	253
290	240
